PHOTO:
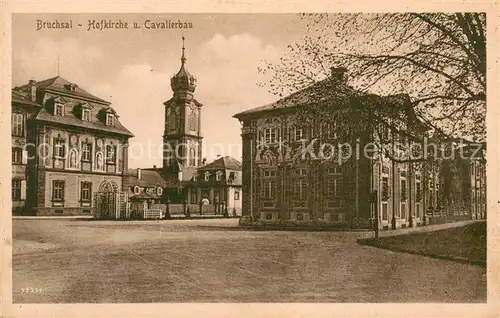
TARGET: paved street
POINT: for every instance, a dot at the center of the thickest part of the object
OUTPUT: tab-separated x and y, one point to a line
72	261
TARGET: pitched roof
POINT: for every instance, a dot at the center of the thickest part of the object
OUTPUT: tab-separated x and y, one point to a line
226	162
57	85
149	178
23	98
395	106
70	119
325	90
61	85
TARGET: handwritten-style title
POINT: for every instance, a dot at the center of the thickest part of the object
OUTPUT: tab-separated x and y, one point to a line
101	25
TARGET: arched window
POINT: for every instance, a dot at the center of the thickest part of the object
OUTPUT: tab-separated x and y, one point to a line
193	121
73	159
99	161
171	120
192	157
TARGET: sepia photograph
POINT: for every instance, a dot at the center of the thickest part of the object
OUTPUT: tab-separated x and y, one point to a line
249	158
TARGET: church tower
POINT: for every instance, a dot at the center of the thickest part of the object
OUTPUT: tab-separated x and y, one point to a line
182	139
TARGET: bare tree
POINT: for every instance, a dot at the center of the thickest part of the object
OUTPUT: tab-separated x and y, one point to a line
438	59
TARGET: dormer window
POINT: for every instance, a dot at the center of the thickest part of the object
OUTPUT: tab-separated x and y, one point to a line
110	119
86	114
207	176
218	175
71	87
59	109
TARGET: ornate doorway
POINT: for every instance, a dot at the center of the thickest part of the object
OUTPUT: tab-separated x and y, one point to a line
109	203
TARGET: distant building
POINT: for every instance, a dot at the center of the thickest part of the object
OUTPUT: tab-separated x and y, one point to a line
219	182
282	187
76	146
144	187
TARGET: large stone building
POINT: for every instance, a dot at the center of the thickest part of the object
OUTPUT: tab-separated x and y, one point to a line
285	185
74	146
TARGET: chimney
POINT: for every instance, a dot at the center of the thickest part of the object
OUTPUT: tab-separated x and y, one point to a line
32	85
338	74
139	173
154	167
203	161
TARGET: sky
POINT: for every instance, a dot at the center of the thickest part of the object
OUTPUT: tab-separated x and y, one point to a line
131	68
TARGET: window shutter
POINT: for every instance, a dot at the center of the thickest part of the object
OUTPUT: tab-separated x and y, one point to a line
24	157
261	139
23	189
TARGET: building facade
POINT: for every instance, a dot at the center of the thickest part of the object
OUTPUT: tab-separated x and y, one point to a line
218	183
284	184
188	177
24	108
75	147
144	188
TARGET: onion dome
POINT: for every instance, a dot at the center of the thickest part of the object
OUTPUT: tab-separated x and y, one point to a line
183	81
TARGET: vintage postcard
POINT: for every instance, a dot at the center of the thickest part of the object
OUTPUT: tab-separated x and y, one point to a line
196	160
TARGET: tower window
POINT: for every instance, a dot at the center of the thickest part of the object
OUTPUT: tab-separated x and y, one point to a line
172	121
192	157
193	121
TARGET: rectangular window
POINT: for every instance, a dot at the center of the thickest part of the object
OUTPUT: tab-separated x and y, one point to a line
385	214
270	135
269	173
59	148
403	190
207	176
17	156
86	114
385	188
418	194
236	194
57	190
301	172
110	120
86	152
268	189
403	211
333	187
16	189
59	110
218	175
17	124
86	191
334	170
300	189
299	134
331	131
110	154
